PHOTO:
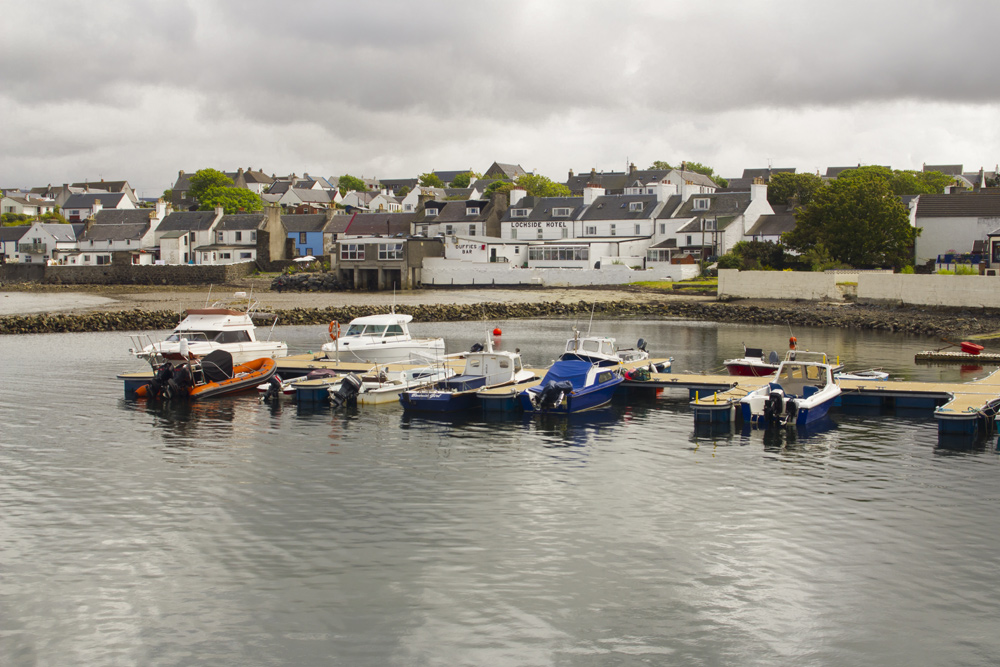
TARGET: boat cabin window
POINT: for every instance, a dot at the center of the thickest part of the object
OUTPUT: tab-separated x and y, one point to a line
604	377
504	363
591	346
238	336
607	348
192	336
394	330
473	363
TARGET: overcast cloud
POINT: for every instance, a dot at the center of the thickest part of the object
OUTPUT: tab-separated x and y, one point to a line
138	90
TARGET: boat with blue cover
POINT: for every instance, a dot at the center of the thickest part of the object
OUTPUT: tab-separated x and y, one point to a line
572	385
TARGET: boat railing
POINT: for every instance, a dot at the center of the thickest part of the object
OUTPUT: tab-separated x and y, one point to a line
807	356
144	347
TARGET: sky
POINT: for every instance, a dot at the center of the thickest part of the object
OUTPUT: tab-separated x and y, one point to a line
137	90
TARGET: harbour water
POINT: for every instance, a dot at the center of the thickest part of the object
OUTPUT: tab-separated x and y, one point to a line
235	533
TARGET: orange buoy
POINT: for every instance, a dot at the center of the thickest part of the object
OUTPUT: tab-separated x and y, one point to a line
497	332
791	342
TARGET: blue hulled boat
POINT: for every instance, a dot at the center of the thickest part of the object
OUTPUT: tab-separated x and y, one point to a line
572	385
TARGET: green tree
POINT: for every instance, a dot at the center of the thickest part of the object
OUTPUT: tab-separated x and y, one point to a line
232	200
204	180
431	180
167	195
783	186
858	221
463	180
903	182
660	164
403	191
348	183
754	256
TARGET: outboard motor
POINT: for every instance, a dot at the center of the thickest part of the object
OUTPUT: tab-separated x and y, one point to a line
552	394
641	345
273	392
347	391
773	408
156	386
179	384
476	347
791	410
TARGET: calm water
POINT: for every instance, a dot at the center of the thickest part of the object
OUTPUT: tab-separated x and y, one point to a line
231	533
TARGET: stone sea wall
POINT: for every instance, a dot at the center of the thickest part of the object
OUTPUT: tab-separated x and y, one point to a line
935	322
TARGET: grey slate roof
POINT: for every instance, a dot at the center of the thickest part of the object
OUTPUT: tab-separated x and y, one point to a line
767	172
64	233
240	221
115	232
304	222
110	216
541	208
14	232
616	207
107	200
511	171
455	211
782	221
106	186
398	183
315	196
188	221
617	181
950	169
379	223
719	204
962	205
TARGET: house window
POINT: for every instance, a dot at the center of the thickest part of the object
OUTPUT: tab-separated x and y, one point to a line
565	232
561	212
407	207
663	228
430	211
592	230
513	232
390	251
103	259
86	259
701	204
224	255
519	213
302	237
613	230
688	239
448	231
472	210
221	237
239	236
635	206
559	253
309	251
352	251
709	224
253	236
638	229
246	255
472	230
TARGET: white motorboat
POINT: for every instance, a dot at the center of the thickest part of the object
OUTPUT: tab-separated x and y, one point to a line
380	339
603	351
225	325
801	392
385	386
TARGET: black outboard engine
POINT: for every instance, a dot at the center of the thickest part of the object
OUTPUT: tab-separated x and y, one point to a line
179	384
273	392
476	347
552	394
791	410
773	408
156	386
641	345
347	392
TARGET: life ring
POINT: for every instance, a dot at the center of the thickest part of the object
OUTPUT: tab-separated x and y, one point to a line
334	329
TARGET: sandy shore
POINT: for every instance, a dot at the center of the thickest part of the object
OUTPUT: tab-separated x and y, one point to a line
73	300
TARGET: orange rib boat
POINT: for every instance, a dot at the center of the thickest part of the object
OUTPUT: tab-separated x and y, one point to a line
195	378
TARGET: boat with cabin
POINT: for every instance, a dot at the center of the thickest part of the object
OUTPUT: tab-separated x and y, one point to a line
225	325
570	386
801	392
484	368
380	339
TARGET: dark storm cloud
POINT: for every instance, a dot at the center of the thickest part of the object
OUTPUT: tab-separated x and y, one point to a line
430	79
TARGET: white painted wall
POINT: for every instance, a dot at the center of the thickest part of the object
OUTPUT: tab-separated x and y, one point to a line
930	290
736	284
442	271
942	235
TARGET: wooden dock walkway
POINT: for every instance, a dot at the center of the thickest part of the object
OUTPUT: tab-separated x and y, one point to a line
959	407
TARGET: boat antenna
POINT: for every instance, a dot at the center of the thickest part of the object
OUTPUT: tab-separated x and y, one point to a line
591	324
392	309
209	297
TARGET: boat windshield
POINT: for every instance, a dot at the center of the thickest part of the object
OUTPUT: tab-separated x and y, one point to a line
369	330
192	336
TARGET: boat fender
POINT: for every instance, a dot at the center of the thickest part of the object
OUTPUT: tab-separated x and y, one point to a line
334	329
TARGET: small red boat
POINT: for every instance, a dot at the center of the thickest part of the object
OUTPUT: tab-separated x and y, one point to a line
971	348
753	363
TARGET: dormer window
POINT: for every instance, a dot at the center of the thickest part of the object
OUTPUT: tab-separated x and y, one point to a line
519	213
701	204
431	211
561	212
472	210
709	224
635	206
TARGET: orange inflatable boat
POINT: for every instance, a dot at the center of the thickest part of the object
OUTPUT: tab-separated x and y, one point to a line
195	378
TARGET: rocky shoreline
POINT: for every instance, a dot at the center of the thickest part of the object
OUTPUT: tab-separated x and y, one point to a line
943	323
